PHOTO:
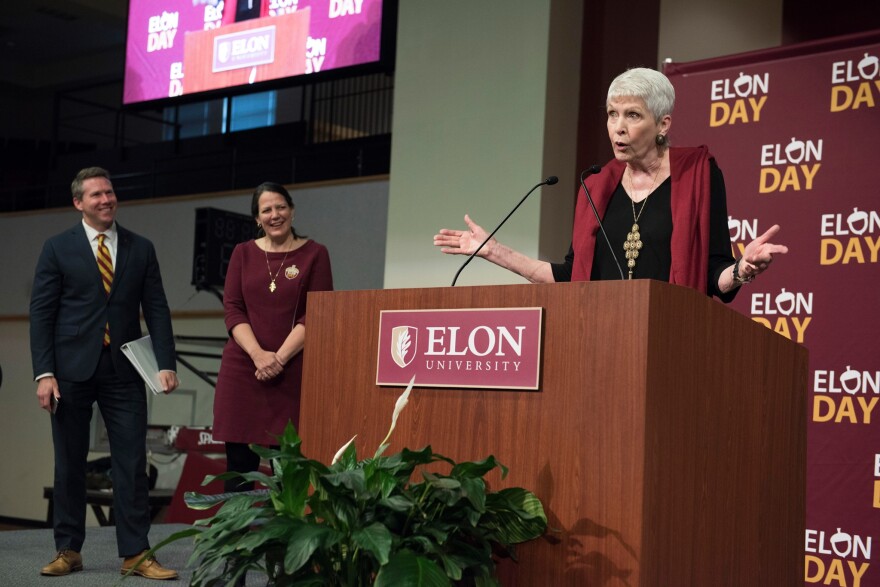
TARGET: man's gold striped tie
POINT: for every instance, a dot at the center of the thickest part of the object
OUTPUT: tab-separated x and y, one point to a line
105	266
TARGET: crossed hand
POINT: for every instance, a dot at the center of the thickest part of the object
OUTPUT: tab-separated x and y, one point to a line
268	365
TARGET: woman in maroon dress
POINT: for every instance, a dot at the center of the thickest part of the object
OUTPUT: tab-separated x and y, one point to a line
258	387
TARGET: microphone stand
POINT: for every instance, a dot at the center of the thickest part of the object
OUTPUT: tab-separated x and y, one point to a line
549	181
590	171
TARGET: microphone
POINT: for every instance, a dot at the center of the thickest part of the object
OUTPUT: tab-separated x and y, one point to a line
593	169
549	181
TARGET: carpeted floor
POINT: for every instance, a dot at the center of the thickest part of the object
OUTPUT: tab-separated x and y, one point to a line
24	552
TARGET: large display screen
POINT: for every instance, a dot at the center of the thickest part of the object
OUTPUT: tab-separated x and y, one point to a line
184	47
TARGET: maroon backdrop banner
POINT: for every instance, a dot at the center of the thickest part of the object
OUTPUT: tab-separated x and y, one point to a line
796	132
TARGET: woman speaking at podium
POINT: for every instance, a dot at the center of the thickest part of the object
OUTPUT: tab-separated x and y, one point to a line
264	298
663	208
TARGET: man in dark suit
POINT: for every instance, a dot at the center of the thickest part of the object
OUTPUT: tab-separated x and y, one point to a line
90	285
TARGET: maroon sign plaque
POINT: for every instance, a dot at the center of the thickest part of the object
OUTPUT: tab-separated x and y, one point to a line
496	348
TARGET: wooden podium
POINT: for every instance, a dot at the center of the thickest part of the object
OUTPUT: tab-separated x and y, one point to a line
667	441
278	44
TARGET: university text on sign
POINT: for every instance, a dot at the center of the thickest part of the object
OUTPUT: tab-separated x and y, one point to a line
496	348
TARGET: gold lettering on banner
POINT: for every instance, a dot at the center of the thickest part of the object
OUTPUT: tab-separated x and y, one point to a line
781	326
815	571
833	250
877	493
859	412
722	113
844	98
738	249
773	180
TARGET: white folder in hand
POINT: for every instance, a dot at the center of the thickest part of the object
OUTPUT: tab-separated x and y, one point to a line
141	354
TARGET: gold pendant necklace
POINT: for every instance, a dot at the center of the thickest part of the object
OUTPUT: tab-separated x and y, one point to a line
272	286
633	243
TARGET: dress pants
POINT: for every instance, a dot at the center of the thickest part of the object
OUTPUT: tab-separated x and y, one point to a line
123	406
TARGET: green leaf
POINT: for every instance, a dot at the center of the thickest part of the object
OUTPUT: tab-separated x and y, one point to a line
304	541
388	463
381	450
441	482
180	535
345	512
199	501
524	500
421	457
517	515
276	529
397	503
475	491
476	469
473	517
353	480
450	566
424	544
382	482
375	539
270	482
295	483
406	569
289	438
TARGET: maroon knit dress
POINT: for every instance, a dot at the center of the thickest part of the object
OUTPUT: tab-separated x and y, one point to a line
247	410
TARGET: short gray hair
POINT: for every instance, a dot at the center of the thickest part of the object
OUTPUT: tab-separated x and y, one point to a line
648	84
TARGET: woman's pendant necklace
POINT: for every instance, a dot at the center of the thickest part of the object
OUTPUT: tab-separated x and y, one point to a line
272	286
633	243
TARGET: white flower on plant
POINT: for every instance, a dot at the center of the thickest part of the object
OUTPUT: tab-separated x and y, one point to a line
341	451
398	407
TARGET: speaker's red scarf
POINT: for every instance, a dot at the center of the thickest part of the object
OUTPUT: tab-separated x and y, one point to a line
689	167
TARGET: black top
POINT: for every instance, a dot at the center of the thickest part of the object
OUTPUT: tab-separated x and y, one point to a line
655	228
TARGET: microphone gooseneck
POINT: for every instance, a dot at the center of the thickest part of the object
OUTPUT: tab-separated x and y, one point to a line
593	169
549	181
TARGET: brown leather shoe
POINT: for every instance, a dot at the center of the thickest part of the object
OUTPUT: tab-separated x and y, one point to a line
66	562
149	569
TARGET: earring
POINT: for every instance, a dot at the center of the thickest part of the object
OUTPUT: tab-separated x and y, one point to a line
660	139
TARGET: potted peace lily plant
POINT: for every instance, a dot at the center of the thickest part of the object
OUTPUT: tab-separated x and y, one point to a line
379	521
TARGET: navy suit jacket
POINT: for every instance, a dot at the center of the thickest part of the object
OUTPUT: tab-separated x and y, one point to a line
69	307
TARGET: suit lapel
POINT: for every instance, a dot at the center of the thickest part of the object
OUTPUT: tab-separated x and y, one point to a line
83	249
123	252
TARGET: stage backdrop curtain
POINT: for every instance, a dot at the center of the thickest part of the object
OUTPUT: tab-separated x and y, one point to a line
796	131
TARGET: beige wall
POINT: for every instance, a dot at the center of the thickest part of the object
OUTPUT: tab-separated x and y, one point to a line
479	118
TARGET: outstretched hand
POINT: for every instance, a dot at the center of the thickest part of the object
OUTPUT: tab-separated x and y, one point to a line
758	254
462	242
